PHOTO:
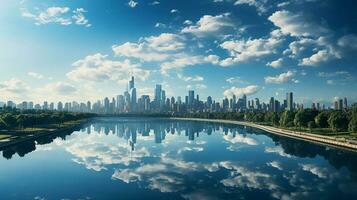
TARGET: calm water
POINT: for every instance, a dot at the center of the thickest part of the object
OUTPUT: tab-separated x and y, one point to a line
121	158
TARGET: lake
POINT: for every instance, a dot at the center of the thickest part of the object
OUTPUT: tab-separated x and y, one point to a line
143	158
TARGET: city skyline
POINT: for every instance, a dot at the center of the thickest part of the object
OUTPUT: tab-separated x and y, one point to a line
79	51
130	102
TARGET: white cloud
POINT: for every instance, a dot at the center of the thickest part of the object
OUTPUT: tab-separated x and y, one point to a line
287	77
348	41
97	68
183	60
259	4
275	164
278	150
245	50
57	15
13	85
35	75
209	24
240	139
160	25
190	78
316	59
155	3
132	3
249	90
323	50
295	24
237	79
61	88
187	22
174	11
14	89
319	172
333	74
79	17
153	48
276	63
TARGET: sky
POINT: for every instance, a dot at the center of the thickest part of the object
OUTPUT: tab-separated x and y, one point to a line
83	50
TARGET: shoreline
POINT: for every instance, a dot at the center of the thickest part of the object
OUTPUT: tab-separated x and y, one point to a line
314	138
6	142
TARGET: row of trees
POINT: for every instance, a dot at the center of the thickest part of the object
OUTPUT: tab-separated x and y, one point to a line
13	119
337	120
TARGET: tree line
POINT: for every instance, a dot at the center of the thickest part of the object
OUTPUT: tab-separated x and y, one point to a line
336	120
11	119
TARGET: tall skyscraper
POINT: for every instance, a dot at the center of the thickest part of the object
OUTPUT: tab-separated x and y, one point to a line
131	84
191	97
157	97
289	101
345	105
244	99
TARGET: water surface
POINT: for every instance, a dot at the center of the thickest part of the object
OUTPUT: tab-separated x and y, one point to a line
131	158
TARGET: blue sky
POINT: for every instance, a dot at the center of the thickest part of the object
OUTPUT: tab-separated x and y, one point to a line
86	50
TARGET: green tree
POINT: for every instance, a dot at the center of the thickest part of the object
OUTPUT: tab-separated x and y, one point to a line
338	121
352	126
10	120
321	119
311	125
287	119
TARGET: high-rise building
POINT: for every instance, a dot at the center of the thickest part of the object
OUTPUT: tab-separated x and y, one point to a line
131	84
244	101
289	101
345	105
120	103
60	106
106	105
340	104
191	97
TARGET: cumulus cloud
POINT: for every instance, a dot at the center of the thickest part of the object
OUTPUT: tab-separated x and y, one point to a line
317	58
319	172
132	4
13	85
35	75
295	24
247	49
333	74
184	60
174	11
97	68
57	15
259	4
237	79
60	88
153	48
275	164
249	90
276	63
240	139
286	77
209	24
323	50
79	17
348	41
190	78
13	88
155	3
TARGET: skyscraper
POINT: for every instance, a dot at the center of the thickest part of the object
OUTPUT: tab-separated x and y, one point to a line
157	97
131	84
290	101
244	106
345	105
191	97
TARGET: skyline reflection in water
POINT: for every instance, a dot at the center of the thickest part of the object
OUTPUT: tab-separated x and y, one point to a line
167	159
